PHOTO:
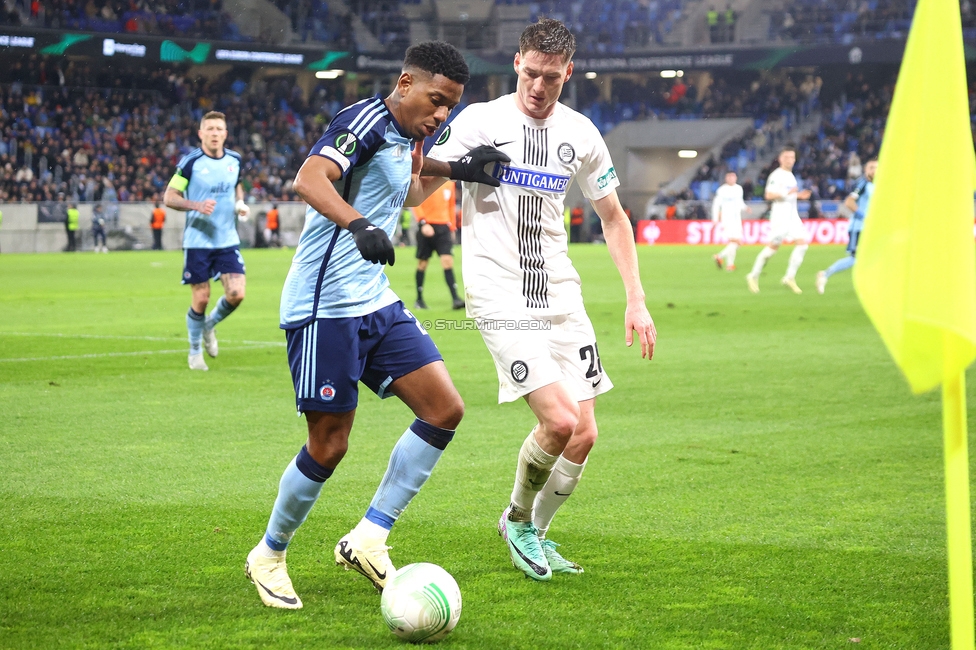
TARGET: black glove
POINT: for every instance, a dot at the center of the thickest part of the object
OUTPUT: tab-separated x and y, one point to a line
471	166
372	242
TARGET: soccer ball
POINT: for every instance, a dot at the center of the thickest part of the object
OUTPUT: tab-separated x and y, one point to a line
422	603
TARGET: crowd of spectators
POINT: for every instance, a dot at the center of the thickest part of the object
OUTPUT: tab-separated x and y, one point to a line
122	141
612	26
607	27
843	21
190	18
87	133
312	20
762	97
828	160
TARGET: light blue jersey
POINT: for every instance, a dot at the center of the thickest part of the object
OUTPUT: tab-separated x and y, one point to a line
863	190
201	177
328	276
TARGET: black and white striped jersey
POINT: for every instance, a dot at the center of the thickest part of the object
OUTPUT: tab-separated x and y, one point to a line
514	245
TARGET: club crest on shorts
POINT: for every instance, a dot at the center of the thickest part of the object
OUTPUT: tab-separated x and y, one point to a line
566	153
327	392
520	372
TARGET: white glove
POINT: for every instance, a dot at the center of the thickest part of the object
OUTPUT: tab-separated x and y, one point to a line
242	210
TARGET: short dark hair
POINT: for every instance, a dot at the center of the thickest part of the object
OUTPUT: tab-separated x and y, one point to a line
440	58
872	159
548	36
788	147
213	115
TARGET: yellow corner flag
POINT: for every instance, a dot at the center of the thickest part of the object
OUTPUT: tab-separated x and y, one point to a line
916	266
916	269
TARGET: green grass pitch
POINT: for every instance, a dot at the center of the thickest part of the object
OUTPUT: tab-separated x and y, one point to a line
766	482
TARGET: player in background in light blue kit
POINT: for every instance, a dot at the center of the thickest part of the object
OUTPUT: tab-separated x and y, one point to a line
343	323
858	202
207	187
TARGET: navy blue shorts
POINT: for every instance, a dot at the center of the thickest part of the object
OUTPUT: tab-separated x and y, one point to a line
202	264
852	242
328	357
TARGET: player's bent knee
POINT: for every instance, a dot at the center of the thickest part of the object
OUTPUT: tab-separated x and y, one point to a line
449	413
585	439
564	425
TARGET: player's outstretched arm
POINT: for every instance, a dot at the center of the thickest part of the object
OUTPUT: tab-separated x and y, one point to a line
468	168
314	184
620	242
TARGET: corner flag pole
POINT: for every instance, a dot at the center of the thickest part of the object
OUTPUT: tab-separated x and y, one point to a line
957	504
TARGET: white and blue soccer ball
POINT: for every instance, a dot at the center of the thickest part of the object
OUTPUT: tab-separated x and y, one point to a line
422	603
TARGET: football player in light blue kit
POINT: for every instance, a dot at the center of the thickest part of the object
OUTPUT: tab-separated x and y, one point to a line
207	187
858	202
343	323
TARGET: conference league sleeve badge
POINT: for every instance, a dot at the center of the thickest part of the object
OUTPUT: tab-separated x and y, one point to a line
444	136
346	143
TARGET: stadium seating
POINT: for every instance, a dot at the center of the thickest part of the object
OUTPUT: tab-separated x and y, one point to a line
611	26
98	143
193	18
830	21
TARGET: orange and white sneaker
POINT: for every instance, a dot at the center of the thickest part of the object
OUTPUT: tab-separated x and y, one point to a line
719	262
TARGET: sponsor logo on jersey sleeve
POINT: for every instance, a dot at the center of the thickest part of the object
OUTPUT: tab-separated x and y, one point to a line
604	180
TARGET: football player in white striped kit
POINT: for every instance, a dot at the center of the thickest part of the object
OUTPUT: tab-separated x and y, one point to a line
521	287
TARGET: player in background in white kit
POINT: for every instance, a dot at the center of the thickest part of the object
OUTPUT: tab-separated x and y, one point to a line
727	209
783	191
520	284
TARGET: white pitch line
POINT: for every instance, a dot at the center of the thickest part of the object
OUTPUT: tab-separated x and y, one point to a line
168	339
98	355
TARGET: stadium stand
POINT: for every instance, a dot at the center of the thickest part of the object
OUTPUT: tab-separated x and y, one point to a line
91	141
79	131
770	96
194	18
830	21
312	20
612	26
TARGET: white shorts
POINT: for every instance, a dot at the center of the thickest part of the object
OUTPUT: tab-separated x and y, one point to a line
788	229
731	227
534	351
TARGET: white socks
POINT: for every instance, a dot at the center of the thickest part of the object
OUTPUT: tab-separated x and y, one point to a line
796	259
760	262
371	532
531	474
728	253
266	551
565	475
